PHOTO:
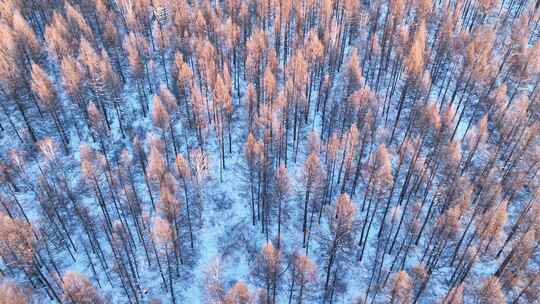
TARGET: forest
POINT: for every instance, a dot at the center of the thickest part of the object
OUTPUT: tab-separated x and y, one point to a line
269	151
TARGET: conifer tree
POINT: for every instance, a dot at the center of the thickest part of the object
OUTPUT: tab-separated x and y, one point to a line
338	237
78	289
268	271
11	293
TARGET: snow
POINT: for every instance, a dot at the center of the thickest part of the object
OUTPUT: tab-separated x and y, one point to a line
226	235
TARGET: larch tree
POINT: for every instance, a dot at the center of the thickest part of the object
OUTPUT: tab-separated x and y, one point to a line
157	164
454	296
13	79
43	87
414	65
79	290
401	288
303	278
426	112
171	104
72	74
239	293
312	181
20	249
10	293
223	107
338	240
135	45
516	260
184	78
169	207
253	152
491	292
282	192
378	184
267	271
162	233
26	37
184	172
92	166
161	119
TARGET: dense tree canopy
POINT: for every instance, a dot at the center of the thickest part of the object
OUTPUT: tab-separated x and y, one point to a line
276	151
